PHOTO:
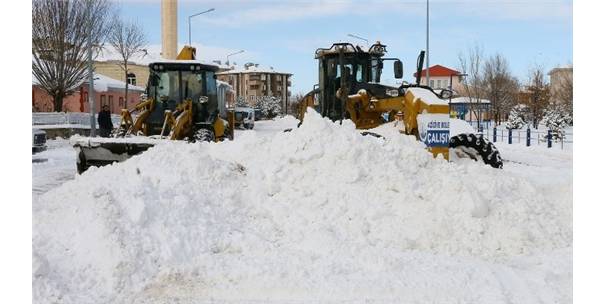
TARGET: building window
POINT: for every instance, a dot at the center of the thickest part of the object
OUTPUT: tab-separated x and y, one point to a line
439	83
121	101
111	103
103	101
254	87
131	79
431	83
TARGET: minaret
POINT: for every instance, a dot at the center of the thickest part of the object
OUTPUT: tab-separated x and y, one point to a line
169	29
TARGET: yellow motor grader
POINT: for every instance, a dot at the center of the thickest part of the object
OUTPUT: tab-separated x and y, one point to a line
180	104
349	88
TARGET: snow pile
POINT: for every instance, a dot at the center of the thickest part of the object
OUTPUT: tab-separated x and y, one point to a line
319	213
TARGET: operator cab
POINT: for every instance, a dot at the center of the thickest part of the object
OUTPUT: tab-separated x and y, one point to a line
173	82
344	64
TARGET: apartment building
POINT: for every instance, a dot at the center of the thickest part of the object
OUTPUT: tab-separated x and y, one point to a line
560	81
253	82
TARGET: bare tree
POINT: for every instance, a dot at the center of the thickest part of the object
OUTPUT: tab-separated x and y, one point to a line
128	40
295	100
60	30
471	64
538	94
500	86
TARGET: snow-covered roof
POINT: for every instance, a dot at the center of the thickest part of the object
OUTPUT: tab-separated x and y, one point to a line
463	99
251	68
102	83
150	55
223	83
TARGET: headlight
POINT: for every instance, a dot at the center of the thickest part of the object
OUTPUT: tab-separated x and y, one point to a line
392	93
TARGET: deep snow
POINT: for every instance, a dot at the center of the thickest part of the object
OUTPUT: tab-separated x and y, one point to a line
317	214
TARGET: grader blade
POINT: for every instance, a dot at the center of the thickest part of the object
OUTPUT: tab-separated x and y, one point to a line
99	152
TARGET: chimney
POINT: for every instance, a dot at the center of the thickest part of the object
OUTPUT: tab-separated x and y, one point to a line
169	29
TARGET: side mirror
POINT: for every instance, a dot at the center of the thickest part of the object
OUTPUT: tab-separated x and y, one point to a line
398	69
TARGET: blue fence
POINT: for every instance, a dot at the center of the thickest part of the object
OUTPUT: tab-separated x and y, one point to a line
528	137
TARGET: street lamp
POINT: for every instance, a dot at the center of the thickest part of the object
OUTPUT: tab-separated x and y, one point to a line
427	47
358	37
194	15
238	52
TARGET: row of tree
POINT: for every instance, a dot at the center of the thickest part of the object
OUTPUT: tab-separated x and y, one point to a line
62	32
491	78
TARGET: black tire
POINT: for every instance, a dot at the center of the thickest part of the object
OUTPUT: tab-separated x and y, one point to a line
485	149
81	163
204	135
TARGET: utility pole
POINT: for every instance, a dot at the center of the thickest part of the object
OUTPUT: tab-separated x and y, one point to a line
194	15
91	85
427	48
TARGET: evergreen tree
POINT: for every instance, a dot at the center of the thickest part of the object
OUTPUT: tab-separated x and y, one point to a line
270	106
241	102
518	117
556	119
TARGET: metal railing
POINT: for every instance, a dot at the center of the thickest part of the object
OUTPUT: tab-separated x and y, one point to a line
528	137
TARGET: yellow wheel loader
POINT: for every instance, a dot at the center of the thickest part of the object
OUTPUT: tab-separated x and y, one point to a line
180	104
349	88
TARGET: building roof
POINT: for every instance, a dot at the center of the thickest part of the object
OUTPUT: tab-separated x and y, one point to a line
227	86
151	55
102	83
438	70
251	68
566	68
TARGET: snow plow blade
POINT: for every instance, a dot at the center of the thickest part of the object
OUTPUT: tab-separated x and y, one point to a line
104	151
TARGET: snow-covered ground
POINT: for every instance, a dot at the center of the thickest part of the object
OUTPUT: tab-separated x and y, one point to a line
53	167
319	214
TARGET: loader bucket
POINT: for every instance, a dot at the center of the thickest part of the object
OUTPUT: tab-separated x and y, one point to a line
104	151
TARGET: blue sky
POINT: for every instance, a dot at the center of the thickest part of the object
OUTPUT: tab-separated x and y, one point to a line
285	34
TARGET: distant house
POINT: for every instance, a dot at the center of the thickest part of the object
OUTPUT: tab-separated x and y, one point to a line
108	91
440	77
467	108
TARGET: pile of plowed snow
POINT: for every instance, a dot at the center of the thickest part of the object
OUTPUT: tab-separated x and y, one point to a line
319	213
